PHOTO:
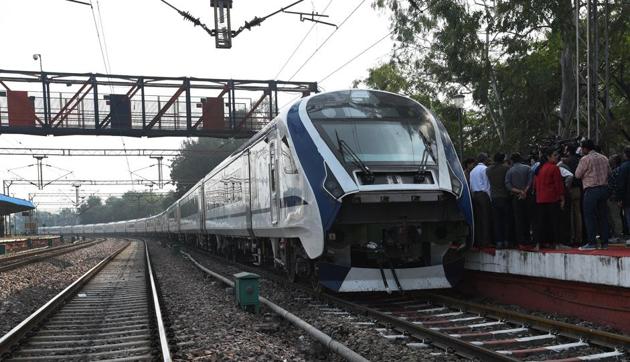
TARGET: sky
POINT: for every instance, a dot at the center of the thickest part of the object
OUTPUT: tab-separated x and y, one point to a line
147	37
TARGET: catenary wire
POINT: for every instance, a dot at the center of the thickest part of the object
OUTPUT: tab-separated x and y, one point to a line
356	56
300	44
326	40
107	64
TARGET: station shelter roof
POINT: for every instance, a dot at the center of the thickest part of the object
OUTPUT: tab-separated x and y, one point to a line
10	205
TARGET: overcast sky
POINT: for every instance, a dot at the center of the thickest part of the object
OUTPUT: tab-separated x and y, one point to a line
147	37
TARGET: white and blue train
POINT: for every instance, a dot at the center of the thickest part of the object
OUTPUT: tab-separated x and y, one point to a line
357	190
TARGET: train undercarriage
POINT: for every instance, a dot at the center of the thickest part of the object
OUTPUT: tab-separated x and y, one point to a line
369	257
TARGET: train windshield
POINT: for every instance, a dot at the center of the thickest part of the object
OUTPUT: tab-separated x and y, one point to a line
376	127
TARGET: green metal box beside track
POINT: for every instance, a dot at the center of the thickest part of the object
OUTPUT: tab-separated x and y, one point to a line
246	289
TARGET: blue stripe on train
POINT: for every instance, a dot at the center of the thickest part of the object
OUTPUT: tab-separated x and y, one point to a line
464	202
313	165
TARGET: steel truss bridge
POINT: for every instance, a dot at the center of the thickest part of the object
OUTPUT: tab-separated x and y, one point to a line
98	152
56	103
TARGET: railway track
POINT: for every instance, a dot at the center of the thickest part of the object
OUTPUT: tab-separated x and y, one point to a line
474	331
483	332
111	312
24	258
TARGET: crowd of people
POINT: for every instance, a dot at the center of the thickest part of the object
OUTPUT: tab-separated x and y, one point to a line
563	197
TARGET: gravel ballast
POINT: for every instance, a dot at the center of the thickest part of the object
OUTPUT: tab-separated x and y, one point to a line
364	340
205	324
24	289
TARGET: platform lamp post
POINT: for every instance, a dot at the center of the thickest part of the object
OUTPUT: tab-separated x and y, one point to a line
38	56
458	102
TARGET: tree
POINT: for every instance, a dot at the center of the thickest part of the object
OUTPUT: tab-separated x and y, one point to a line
197	159
515	58
132	205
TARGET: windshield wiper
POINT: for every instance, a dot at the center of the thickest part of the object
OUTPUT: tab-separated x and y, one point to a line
368	176
428	151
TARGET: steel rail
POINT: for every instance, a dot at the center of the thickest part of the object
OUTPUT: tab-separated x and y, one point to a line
35	251
332	344
601	338
445	341
11	338
606	339
437	339
166	354
16	261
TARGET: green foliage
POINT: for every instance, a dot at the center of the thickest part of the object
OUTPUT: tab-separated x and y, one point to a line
197	159
514	59
64	217
132	205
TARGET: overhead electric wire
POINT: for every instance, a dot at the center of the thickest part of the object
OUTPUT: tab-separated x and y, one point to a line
356	56
105	56
79	2
328	38
300	44
100	19
100	42
256	21
189	17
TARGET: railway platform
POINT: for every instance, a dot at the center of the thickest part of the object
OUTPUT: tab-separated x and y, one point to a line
14	244
593	285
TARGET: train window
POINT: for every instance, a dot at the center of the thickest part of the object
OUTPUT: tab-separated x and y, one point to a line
187	208
378	127
288	164
272	166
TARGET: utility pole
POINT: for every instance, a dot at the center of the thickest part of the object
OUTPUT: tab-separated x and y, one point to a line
607	64
6	219
595	72
76	201
577	67
76	195
160	177
40	171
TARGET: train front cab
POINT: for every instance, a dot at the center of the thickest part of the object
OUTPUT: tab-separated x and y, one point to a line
402	214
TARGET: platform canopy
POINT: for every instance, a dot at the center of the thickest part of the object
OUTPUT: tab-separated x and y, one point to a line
10	205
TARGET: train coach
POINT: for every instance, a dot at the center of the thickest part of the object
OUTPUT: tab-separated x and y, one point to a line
357	190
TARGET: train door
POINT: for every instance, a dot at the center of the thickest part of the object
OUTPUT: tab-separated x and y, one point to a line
274	204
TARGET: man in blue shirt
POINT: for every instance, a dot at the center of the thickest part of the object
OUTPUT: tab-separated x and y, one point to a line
480	187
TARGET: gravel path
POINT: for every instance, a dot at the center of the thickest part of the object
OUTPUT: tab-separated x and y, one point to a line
25	289
364	340
204	323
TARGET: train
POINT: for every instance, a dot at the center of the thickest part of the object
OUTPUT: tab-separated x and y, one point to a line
355	190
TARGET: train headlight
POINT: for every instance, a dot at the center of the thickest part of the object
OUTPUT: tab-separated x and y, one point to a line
332	185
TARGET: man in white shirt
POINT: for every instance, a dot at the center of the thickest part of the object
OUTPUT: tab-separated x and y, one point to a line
480	188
